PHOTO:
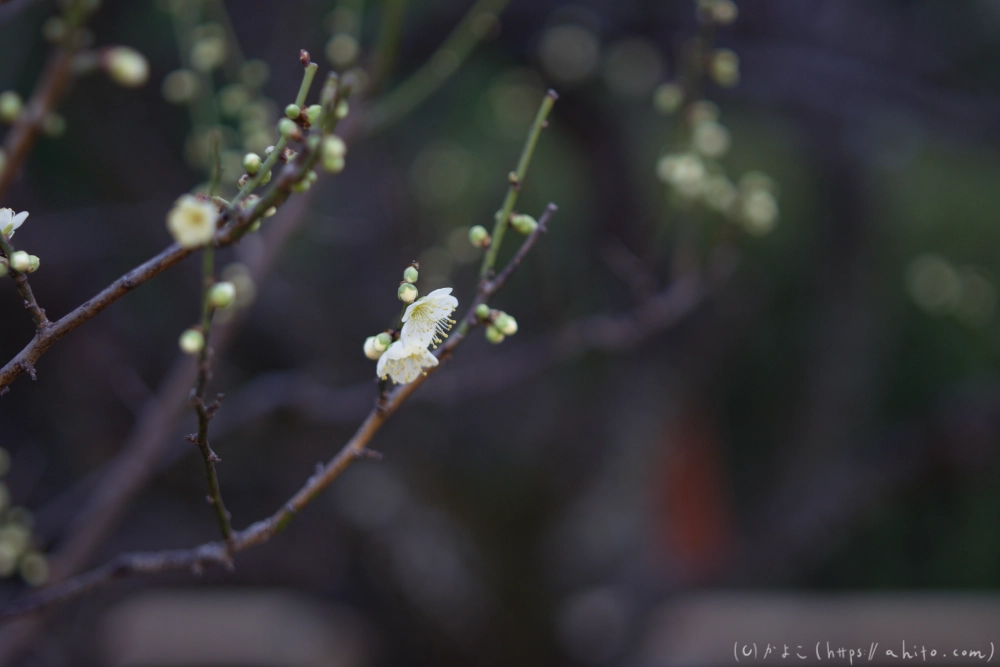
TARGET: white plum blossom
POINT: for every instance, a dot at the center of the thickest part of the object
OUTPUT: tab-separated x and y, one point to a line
404	364
192	221
9	222
427	320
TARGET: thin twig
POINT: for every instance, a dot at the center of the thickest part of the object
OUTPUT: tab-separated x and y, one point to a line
516	180
24	288
51	88
262	531
45	338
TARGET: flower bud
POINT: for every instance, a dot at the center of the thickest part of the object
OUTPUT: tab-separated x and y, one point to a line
10	106
302	185
724	66
342	110
371	351
383	341
251	162
33	263
266	178
126	66
724	12
221	295
20	261
668	98
482	311
479	237
192	341
523	224
410	274
494	335
407	293
288	129
506	324
180	86
313	113
293	111
34	568
53	125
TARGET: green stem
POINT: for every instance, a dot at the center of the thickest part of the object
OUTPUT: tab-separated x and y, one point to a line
307	81
437	69
516	181
387	44
308	74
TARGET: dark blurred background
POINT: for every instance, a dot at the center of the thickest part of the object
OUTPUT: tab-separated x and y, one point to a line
812	440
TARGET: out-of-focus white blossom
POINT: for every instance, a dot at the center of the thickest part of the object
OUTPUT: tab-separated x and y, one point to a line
192	221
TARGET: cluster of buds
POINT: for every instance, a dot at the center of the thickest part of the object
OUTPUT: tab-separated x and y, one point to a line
693	172
220	296
407	291
19	551
499	324
19	261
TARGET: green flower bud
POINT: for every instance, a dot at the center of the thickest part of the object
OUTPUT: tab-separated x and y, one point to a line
254	226
506	324
494	335
293	111
301	186
192	341
342	110
180	86
266	179
724	66
479	237
33	263
251	162
20	261
313	113
288	128
407	293
222	294
523	224
482	311
668	98
383	341
410	274
10	106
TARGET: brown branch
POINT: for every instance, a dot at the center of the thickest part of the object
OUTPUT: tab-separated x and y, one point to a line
22	135
24	288
47	337
262	531
205	414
